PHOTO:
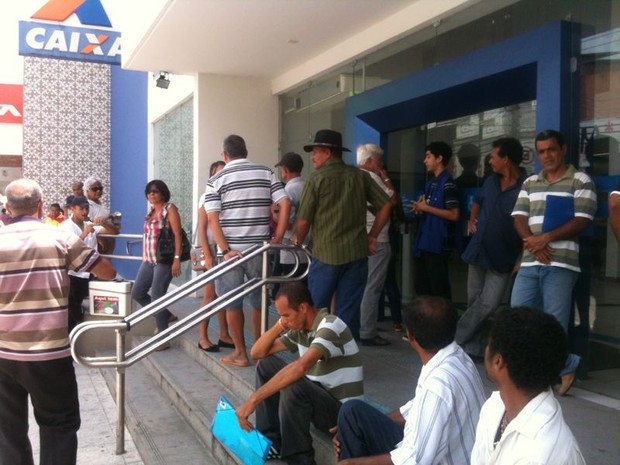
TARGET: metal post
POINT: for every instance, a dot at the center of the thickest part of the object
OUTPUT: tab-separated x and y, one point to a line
264	296
120	392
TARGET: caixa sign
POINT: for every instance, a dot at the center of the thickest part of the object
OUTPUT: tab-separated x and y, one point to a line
11	103
54	40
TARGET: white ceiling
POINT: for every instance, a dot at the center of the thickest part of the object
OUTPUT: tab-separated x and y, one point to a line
269	38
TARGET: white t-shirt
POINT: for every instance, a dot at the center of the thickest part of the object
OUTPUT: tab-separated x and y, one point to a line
90	240
293	189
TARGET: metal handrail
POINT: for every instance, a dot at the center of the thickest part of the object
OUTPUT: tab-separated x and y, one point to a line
122	360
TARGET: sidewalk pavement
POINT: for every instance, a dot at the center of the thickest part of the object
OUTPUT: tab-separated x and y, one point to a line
97	435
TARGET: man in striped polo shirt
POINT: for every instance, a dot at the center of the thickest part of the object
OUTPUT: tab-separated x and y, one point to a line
552	208
35	356
438	425
334	203
309	390
238	204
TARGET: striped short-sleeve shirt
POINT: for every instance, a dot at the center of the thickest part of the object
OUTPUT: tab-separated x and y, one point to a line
34	288
532	202
242	193
339	370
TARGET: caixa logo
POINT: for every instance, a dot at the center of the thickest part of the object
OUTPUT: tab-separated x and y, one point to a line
53	40
11	103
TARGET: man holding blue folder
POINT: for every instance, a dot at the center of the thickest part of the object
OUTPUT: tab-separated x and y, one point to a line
553	208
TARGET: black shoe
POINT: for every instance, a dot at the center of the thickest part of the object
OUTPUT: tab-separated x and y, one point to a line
375	341
226	345
213	348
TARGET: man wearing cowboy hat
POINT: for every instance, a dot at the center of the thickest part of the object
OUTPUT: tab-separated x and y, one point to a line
334	204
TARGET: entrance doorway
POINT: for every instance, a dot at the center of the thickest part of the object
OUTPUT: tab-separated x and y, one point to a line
470	137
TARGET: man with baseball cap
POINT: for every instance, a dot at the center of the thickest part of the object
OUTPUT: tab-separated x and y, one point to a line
290	166
333	202
80	225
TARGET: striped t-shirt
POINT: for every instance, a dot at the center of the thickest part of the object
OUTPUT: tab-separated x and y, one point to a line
339	370
242	193
532	203
34	288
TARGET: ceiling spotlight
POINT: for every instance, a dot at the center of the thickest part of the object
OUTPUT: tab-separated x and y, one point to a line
162	80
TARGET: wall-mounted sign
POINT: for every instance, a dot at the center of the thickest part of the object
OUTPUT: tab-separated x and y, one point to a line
11	103
52	40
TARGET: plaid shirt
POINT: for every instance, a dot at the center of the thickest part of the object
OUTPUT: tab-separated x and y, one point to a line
153	224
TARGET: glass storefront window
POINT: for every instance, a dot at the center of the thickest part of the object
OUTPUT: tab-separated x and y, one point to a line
597	108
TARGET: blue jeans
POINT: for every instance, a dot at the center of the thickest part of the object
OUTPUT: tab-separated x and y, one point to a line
364	431
155	277
485	290
369	307
347	282
548	288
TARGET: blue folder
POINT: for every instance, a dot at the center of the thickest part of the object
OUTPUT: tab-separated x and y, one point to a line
251	447
558	211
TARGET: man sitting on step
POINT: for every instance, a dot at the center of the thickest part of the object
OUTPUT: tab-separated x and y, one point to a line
438	425
289	397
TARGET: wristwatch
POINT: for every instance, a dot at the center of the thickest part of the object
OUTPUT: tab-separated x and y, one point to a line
226	250
176	257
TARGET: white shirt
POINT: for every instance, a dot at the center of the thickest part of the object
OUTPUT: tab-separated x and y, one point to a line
97	210
90	240
538	435
370	218
441	419
293	189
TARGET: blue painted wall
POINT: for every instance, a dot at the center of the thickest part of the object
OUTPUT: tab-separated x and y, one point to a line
129	157
534	65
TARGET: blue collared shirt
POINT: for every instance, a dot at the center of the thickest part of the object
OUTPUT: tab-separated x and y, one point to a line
496	244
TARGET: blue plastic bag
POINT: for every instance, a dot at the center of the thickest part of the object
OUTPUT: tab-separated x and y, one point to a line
251	447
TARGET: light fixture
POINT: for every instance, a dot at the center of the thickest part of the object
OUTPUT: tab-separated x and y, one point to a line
162	80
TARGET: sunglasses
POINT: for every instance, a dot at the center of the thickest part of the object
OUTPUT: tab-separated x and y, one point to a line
96	189
154	191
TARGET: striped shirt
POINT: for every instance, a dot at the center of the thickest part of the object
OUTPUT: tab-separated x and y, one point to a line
441	419
34	288
532	201
339	370
334	203
242	193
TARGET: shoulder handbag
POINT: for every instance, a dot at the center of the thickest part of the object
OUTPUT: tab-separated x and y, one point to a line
165	244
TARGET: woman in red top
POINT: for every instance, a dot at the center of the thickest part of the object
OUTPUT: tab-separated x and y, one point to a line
153	275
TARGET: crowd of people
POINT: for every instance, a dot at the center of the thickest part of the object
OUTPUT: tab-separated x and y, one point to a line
520	226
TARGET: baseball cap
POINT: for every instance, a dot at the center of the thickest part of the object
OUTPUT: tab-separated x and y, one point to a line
292	161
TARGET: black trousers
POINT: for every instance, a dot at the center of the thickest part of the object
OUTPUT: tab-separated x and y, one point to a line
431	276
285	417
52	388
78	291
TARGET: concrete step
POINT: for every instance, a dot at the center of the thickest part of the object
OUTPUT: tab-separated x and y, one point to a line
192	391
241	382
161	434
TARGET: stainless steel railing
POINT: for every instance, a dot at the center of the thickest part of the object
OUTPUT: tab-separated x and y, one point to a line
124	359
